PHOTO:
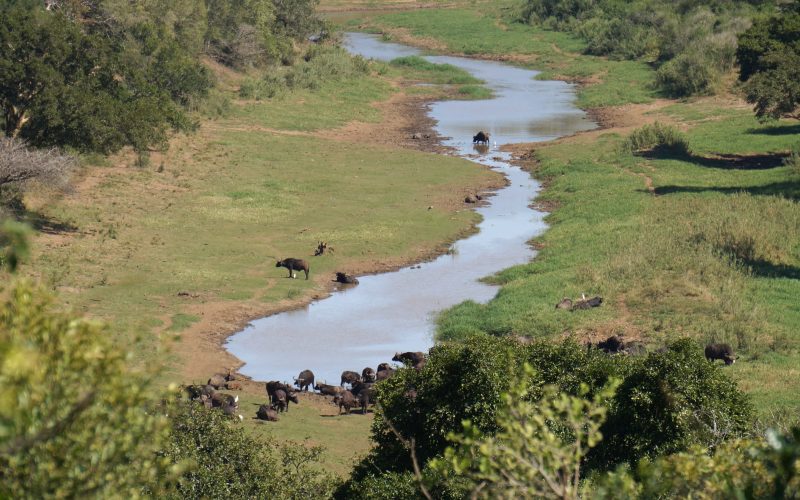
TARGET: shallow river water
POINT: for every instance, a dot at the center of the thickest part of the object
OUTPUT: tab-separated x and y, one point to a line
386	313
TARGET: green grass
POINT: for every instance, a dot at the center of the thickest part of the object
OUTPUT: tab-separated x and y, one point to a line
557	54
440	74
715	256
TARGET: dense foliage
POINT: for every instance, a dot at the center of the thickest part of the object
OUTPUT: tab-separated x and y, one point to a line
667	400
769	59
223	461
75	421
98	76
692	43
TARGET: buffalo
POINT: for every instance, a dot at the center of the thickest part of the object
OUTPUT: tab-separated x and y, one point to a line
368	374
304	380
350	378
266	413
293	265
279	400
217	381
481	138
345	400
416	359
274	385
611	345
720	351
329	390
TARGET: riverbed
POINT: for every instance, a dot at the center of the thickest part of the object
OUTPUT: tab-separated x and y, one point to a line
395	312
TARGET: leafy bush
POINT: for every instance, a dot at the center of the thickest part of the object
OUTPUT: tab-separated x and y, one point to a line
221	460
321	65
539	449
75	421
671	399
738	469
657	137
691	73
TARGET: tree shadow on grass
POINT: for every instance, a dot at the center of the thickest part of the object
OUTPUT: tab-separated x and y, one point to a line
721	161
787	189
776	130
40	222
767	269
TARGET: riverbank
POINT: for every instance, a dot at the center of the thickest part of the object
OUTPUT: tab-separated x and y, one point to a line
677	246
149	249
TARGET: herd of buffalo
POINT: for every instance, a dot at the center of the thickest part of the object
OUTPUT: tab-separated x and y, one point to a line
361	391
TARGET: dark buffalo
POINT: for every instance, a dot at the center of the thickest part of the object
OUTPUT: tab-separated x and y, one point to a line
293	265
384	374
217	381
366	394
585	303
481	138
219	400
720	351
274	385
350	378
368	374
266	413
329	390
415	359
347	279
193	392
304	380
345	400
384	366
279	400
611	345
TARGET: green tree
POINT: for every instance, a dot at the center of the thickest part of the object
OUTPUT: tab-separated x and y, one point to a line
75	421
539	448
83	83
223	461
296	18
769	60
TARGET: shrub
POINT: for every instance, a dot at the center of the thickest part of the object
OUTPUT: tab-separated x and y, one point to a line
667	401
690	73
793	160
223	461
75	421
657	137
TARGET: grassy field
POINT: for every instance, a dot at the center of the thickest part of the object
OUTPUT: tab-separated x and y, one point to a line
155	250
557	55
705	245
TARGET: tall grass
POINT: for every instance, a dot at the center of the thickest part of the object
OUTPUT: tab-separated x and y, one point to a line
320	66
436	73
657	137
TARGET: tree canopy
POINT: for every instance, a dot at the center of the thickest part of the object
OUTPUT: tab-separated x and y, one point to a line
769	59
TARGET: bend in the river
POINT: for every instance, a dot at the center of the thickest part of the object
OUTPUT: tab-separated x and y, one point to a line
391	312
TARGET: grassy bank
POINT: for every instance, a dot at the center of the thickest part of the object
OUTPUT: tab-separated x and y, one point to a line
702	244
189	242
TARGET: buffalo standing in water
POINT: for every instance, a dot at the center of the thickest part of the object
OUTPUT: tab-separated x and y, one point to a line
481	138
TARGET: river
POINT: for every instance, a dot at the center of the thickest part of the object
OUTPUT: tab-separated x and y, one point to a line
394	312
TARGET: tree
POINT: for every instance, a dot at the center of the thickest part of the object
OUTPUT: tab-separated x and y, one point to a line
296	18
82	82
539	448
75	421
223	461
769	59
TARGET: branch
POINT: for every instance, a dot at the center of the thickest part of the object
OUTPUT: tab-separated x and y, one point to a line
22	443
409	445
